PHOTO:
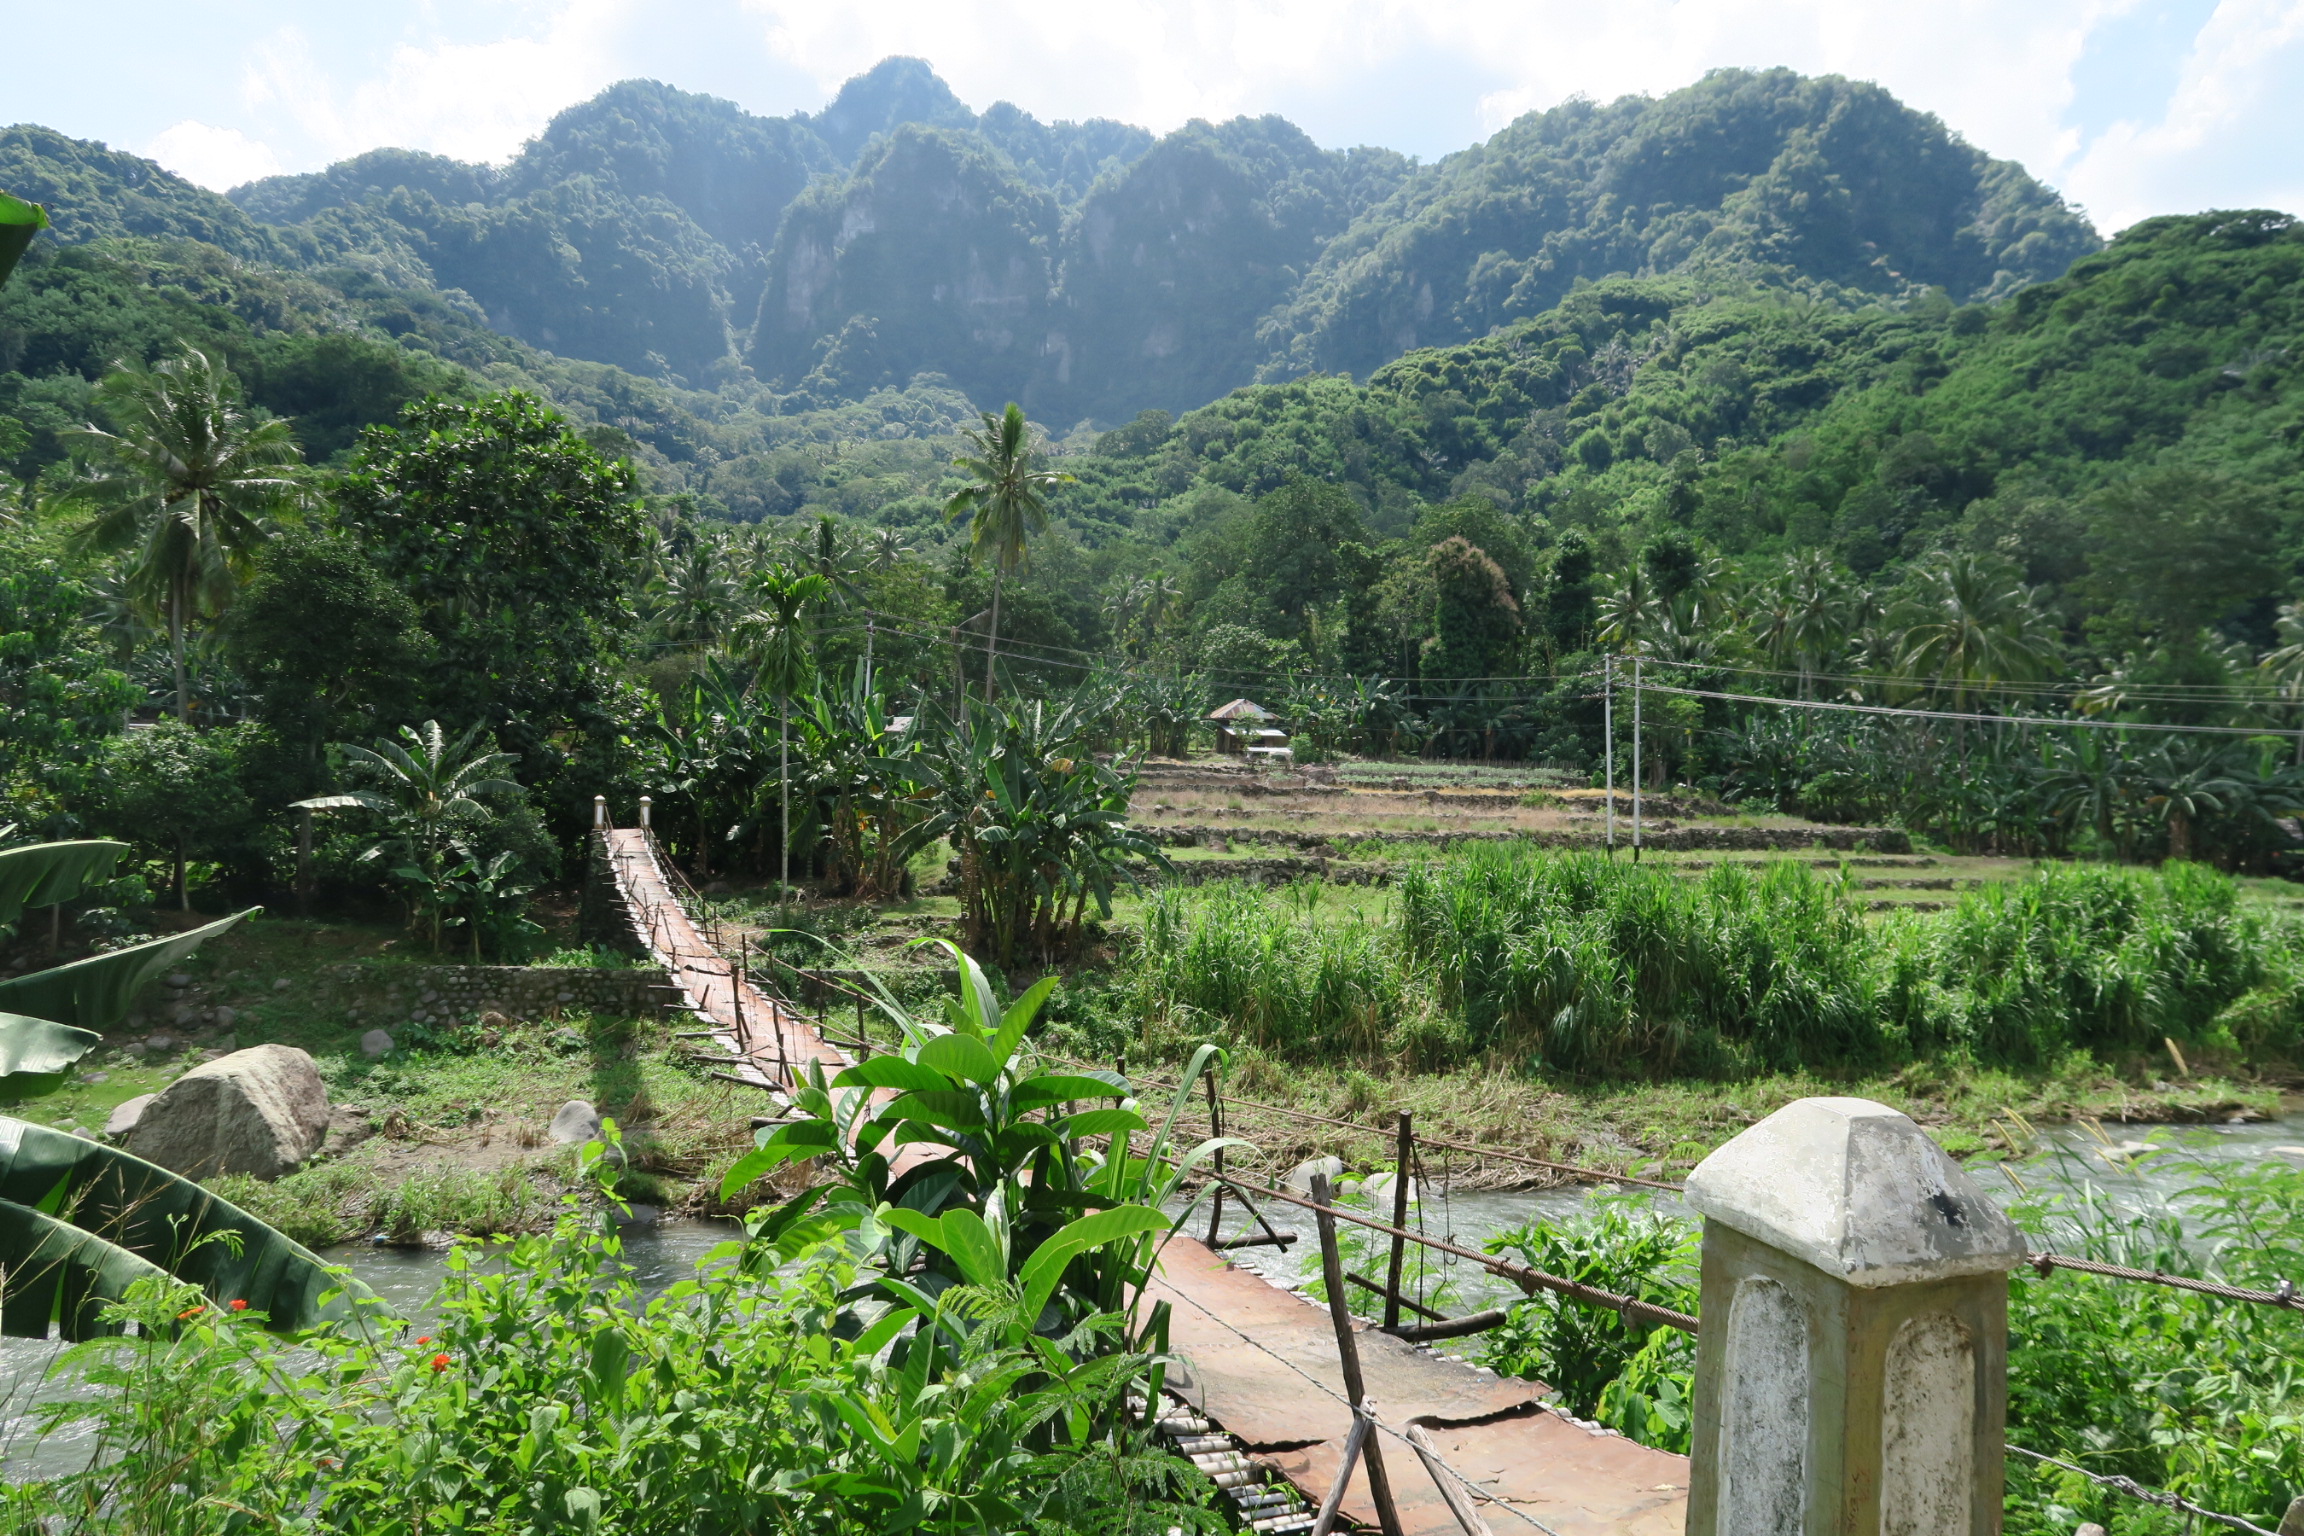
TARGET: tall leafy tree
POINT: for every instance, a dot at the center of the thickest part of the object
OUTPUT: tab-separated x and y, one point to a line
775	634
1006	504
519	543
177	791
188	481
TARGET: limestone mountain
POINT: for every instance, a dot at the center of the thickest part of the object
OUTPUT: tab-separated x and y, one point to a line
1090	269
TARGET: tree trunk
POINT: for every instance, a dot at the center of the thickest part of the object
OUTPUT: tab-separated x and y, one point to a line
783	797
176	650
992	638
2179	835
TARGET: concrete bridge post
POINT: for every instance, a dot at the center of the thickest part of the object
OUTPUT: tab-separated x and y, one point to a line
1851	1378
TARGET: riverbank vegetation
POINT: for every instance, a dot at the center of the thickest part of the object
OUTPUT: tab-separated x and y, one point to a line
2181	1392
949	1344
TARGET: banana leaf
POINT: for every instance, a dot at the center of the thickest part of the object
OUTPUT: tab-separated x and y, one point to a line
155	1218
56	1273
46	873
39	1046
19	222
95	993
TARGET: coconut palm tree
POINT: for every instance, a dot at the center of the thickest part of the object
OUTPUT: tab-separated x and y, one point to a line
430	791
1819	613
190	480
775	636
695	594
2285	668
886	548
1972	625
1006	504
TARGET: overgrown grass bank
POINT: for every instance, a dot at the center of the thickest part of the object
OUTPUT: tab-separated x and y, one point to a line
1570	964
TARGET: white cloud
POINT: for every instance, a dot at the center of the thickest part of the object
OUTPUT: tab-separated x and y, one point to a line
217	158
477	79
473	100
2225	139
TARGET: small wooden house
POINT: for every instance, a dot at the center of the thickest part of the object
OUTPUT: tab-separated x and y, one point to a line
1243	727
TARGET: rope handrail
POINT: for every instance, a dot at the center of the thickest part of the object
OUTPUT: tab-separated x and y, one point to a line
1520	1274
2285	1295
2136	1490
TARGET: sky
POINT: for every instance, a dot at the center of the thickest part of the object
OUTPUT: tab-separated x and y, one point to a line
2128	107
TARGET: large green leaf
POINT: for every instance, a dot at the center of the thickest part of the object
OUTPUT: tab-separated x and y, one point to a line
95	993
19	222
39	1046
46	873
56	1273
157	1218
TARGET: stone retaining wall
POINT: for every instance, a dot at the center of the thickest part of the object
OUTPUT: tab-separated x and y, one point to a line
1678	839
451	994
605	919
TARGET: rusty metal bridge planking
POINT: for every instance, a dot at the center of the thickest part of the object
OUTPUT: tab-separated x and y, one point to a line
1259	1363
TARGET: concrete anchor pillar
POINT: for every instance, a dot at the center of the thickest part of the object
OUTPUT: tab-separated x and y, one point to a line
599	813
645	804
1852	1375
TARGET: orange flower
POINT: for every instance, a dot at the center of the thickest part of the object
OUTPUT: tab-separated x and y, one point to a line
239	1306
189	1313
439	1362
426	1339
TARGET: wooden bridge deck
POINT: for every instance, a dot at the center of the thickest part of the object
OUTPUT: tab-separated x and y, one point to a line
764	1040
1260	1362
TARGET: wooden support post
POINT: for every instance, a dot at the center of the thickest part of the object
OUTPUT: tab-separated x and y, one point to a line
1216	1130
1354	1443
1348	1352
304	861
1406	1156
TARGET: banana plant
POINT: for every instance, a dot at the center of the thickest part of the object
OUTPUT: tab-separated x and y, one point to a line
1040	826
52	1018
19	222
961	1160
80	1222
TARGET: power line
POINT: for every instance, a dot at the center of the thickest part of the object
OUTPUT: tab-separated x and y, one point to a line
1942	714
2164	692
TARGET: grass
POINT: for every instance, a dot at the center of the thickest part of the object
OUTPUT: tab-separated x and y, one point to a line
450	1133
1663	1129
1566	969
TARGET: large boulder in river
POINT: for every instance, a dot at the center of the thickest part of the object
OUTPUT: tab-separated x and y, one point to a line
260	1111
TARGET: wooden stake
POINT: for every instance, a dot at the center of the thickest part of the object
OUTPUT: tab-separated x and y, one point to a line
1348	1352
1406	1156
1216	1129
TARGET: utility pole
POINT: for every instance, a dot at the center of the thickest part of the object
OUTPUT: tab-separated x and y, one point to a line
1635	759
1608	731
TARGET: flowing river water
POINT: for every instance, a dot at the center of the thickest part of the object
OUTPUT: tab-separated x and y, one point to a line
661	1254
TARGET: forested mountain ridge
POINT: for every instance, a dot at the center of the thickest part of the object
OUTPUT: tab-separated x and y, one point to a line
1087	268
1769	174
